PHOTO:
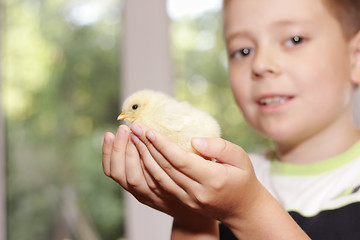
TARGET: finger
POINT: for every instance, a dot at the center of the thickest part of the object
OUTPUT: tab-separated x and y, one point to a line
106	152
155	176
140	183
222	150
186	169
124	169
146	161
136	175
167	153
163	148
117	159
153	185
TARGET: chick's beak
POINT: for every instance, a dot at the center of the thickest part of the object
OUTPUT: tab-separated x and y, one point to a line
122	116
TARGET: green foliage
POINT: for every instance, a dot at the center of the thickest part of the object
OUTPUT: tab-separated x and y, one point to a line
61	95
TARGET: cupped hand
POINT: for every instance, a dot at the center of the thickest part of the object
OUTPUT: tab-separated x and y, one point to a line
122	162
222	190
193	189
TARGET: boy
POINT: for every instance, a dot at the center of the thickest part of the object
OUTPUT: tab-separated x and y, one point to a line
294	68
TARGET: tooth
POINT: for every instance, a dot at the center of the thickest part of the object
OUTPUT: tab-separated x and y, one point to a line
273	100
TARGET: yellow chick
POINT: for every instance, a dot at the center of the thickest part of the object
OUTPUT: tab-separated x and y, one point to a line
179	121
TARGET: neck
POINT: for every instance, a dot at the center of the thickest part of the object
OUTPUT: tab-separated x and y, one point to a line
324	145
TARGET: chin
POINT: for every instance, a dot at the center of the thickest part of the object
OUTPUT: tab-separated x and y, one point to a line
280	134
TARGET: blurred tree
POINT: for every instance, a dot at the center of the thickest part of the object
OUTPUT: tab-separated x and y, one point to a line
61	71
3	214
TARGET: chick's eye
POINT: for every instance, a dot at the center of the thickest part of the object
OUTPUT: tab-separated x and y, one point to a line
241	53
291	42
135	106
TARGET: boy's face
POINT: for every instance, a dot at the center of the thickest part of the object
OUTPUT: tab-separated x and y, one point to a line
289	66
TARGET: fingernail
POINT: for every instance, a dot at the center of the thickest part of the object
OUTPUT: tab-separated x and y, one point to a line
136	129
120	133
199	142
150	135
135	139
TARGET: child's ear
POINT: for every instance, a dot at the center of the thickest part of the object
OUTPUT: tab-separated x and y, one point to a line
355	58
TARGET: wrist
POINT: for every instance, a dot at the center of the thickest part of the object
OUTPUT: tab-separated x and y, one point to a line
195	227
264	218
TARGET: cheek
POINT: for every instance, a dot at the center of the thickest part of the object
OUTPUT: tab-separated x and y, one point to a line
239	87
329	82
242	93
326	92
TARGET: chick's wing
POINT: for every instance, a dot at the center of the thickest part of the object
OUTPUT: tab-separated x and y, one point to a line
183	117
173	116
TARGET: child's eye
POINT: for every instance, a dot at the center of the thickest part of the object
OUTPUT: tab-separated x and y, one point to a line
241	53
294	41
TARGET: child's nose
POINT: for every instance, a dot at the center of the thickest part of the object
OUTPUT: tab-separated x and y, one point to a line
265	63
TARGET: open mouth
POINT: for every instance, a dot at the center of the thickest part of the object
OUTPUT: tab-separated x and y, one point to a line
273	101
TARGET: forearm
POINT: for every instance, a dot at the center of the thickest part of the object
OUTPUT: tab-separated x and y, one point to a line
266	219
195	230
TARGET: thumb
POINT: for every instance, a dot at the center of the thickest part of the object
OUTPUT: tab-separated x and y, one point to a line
223	151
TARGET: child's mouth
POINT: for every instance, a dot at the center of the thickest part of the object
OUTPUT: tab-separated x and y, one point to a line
273	101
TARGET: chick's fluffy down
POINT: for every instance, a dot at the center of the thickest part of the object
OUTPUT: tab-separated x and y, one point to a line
179	121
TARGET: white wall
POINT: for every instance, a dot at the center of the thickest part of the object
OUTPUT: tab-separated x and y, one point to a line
146	63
